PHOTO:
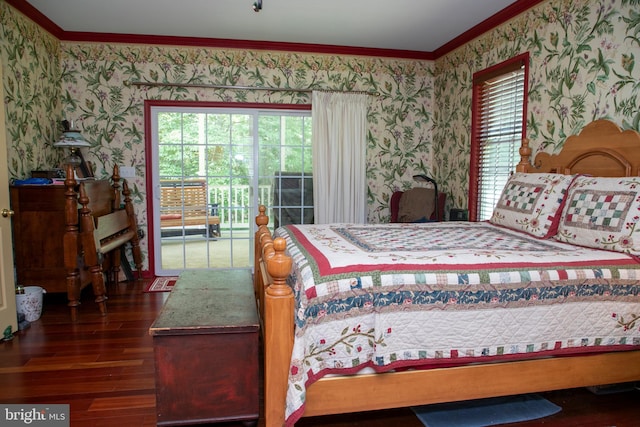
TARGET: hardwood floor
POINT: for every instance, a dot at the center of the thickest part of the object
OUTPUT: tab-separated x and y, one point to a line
103	368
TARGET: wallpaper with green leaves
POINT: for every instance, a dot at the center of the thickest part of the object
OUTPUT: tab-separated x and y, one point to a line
582	68
31	67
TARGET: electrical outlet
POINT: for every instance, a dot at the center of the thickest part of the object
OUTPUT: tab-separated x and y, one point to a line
127	172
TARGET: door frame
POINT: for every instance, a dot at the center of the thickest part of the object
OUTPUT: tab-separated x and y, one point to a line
8	311
151	186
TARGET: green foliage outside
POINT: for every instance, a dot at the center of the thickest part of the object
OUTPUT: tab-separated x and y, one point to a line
226	141
220	148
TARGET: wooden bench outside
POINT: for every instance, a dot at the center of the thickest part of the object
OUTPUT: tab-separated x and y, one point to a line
185	203
206	349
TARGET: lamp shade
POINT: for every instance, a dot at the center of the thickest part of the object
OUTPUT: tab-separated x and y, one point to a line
71	139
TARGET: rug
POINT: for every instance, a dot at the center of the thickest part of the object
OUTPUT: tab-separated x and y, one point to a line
162	284
486	412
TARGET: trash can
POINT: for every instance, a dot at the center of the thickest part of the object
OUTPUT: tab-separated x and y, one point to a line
30	302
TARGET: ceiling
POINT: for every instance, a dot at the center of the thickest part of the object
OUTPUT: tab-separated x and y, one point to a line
413	25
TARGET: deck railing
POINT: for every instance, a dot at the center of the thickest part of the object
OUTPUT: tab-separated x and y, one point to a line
235	204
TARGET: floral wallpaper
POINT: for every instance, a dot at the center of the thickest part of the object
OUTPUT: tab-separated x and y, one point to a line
31	60
96	92
582	68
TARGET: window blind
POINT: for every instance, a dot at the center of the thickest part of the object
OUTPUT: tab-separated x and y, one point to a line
499	133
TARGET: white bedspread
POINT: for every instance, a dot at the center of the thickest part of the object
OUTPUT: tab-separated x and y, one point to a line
401	295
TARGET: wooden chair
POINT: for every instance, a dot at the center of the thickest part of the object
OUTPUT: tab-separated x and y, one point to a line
98	237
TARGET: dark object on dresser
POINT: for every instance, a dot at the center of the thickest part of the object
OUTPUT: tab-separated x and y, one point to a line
50	174
458	215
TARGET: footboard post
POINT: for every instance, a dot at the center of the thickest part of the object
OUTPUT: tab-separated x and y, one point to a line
261	236
278	336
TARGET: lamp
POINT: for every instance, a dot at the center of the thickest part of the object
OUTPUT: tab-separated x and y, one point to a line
425	178
72	139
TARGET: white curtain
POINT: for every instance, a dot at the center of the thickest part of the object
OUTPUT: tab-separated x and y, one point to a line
339	146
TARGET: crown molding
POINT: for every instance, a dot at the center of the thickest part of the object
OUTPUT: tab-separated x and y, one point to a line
243	44
495	20
490	23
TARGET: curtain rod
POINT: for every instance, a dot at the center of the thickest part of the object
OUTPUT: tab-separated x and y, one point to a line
272	89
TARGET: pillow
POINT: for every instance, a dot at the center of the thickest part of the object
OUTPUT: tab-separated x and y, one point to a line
532	203
602	213
416	205
170	216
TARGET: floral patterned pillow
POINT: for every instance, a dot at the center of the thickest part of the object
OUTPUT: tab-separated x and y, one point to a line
603	213
532	203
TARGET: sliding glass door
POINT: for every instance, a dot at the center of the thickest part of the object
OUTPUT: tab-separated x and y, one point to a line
212	167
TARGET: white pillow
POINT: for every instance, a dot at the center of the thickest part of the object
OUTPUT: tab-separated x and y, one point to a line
532	203
603	213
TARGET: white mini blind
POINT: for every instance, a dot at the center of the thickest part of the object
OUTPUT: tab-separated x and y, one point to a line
499	132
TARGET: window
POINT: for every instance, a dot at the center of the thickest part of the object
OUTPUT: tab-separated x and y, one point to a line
285	167
498	126
240	157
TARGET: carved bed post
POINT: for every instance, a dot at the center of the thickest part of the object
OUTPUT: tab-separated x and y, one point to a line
267	251
261	221
525	157
264	251
71	243
91	256
278	335
258	284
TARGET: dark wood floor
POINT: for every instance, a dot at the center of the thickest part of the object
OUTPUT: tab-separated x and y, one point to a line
103	368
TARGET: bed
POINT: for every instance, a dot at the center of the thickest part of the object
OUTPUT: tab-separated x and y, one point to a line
365	317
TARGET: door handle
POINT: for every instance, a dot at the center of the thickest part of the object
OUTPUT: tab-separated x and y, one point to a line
7	212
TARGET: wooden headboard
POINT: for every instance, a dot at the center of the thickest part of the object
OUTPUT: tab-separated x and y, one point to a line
600	149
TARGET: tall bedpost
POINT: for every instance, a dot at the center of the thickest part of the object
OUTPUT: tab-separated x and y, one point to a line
262	233
87	227
71	242
261	222
525	157
278	335
265	241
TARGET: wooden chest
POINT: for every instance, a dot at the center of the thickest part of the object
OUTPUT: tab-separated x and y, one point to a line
205	342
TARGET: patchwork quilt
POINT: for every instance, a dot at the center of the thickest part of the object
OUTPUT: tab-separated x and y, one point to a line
389	296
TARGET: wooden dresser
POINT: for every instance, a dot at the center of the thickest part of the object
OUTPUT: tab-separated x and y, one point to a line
38	231
206	348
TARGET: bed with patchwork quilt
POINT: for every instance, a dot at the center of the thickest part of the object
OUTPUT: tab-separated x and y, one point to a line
543	296
377	296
